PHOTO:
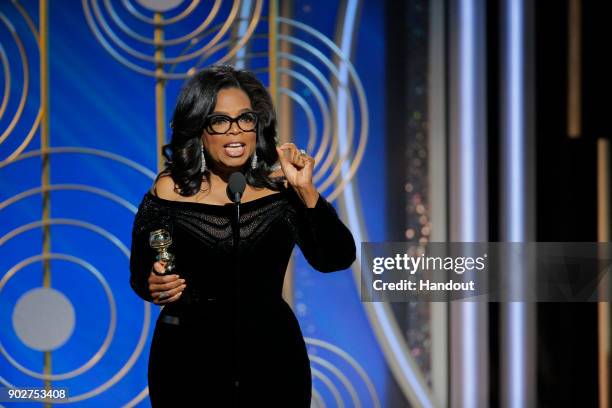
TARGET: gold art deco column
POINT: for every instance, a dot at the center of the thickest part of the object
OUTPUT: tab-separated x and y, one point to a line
272	47
45	171
574	68
603	235
160	89
574	131
283	108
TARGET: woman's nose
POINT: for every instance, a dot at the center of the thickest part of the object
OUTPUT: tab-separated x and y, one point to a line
234	128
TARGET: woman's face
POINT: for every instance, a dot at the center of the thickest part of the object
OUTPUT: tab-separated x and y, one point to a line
231	150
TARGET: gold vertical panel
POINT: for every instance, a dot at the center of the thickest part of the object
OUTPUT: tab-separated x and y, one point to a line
44	130
603	189
45	170
283	119
272	50
160	89
285	126
285	107
603	235
574	70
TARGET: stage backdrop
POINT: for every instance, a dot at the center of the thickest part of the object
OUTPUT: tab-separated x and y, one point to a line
88	89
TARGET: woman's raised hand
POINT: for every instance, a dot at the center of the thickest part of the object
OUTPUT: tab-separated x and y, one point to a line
165	288
297	167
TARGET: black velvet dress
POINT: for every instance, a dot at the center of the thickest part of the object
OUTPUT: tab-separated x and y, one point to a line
231	340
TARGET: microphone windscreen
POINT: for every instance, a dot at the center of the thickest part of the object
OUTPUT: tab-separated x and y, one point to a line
236	186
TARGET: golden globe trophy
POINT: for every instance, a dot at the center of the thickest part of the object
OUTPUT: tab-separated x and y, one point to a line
160	240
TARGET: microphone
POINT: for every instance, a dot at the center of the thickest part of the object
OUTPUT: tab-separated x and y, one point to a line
236	186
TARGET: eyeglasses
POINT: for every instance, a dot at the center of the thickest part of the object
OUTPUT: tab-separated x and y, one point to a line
221	124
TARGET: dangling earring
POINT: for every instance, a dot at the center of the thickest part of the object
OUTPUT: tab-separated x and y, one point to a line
254	161
203	166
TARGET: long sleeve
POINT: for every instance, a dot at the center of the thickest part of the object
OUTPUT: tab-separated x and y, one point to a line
327	244
149	217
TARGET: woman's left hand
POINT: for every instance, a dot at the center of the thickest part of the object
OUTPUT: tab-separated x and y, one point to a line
297	167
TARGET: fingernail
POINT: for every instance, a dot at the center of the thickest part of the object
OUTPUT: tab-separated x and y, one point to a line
182	280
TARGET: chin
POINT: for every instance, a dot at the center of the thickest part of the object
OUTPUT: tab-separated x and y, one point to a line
235	164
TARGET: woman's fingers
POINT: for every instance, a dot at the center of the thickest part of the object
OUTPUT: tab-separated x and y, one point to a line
168	299
165	288
285	163
290	154
158	287
284	154
159	279
159	267
296	164
161	296
165	294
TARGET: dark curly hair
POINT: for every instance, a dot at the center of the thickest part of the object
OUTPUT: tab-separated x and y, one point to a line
196	101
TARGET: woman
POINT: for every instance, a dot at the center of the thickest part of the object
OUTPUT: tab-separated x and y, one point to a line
225	337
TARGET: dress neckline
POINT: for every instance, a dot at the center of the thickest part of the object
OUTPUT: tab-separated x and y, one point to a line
193	204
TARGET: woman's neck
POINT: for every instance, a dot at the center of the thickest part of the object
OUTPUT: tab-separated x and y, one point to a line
221	176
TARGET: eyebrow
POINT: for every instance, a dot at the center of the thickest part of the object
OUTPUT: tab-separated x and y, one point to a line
227	114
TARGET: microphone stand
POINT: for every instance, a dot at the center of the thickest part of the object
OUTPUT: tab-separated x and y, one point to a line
236	303
235	187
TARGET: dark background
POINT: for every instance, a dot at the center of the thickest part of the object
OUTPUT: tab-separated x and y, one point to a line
566	178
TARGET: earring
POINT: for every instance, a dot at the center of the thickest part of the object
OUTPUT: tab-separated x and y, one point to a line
254	161
203	165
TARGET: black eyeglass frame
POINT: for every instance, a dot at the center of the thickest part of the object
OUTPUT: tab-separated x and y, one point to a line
209	129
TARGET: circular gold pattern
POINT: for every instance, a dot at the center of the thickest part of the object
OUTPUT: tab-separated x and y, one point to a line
144	334
319	363
97	356
343	134
202	46
24	83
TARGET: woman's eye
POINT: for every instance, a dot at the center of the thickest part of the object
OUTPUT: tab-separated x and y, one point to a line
248	118
218	121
